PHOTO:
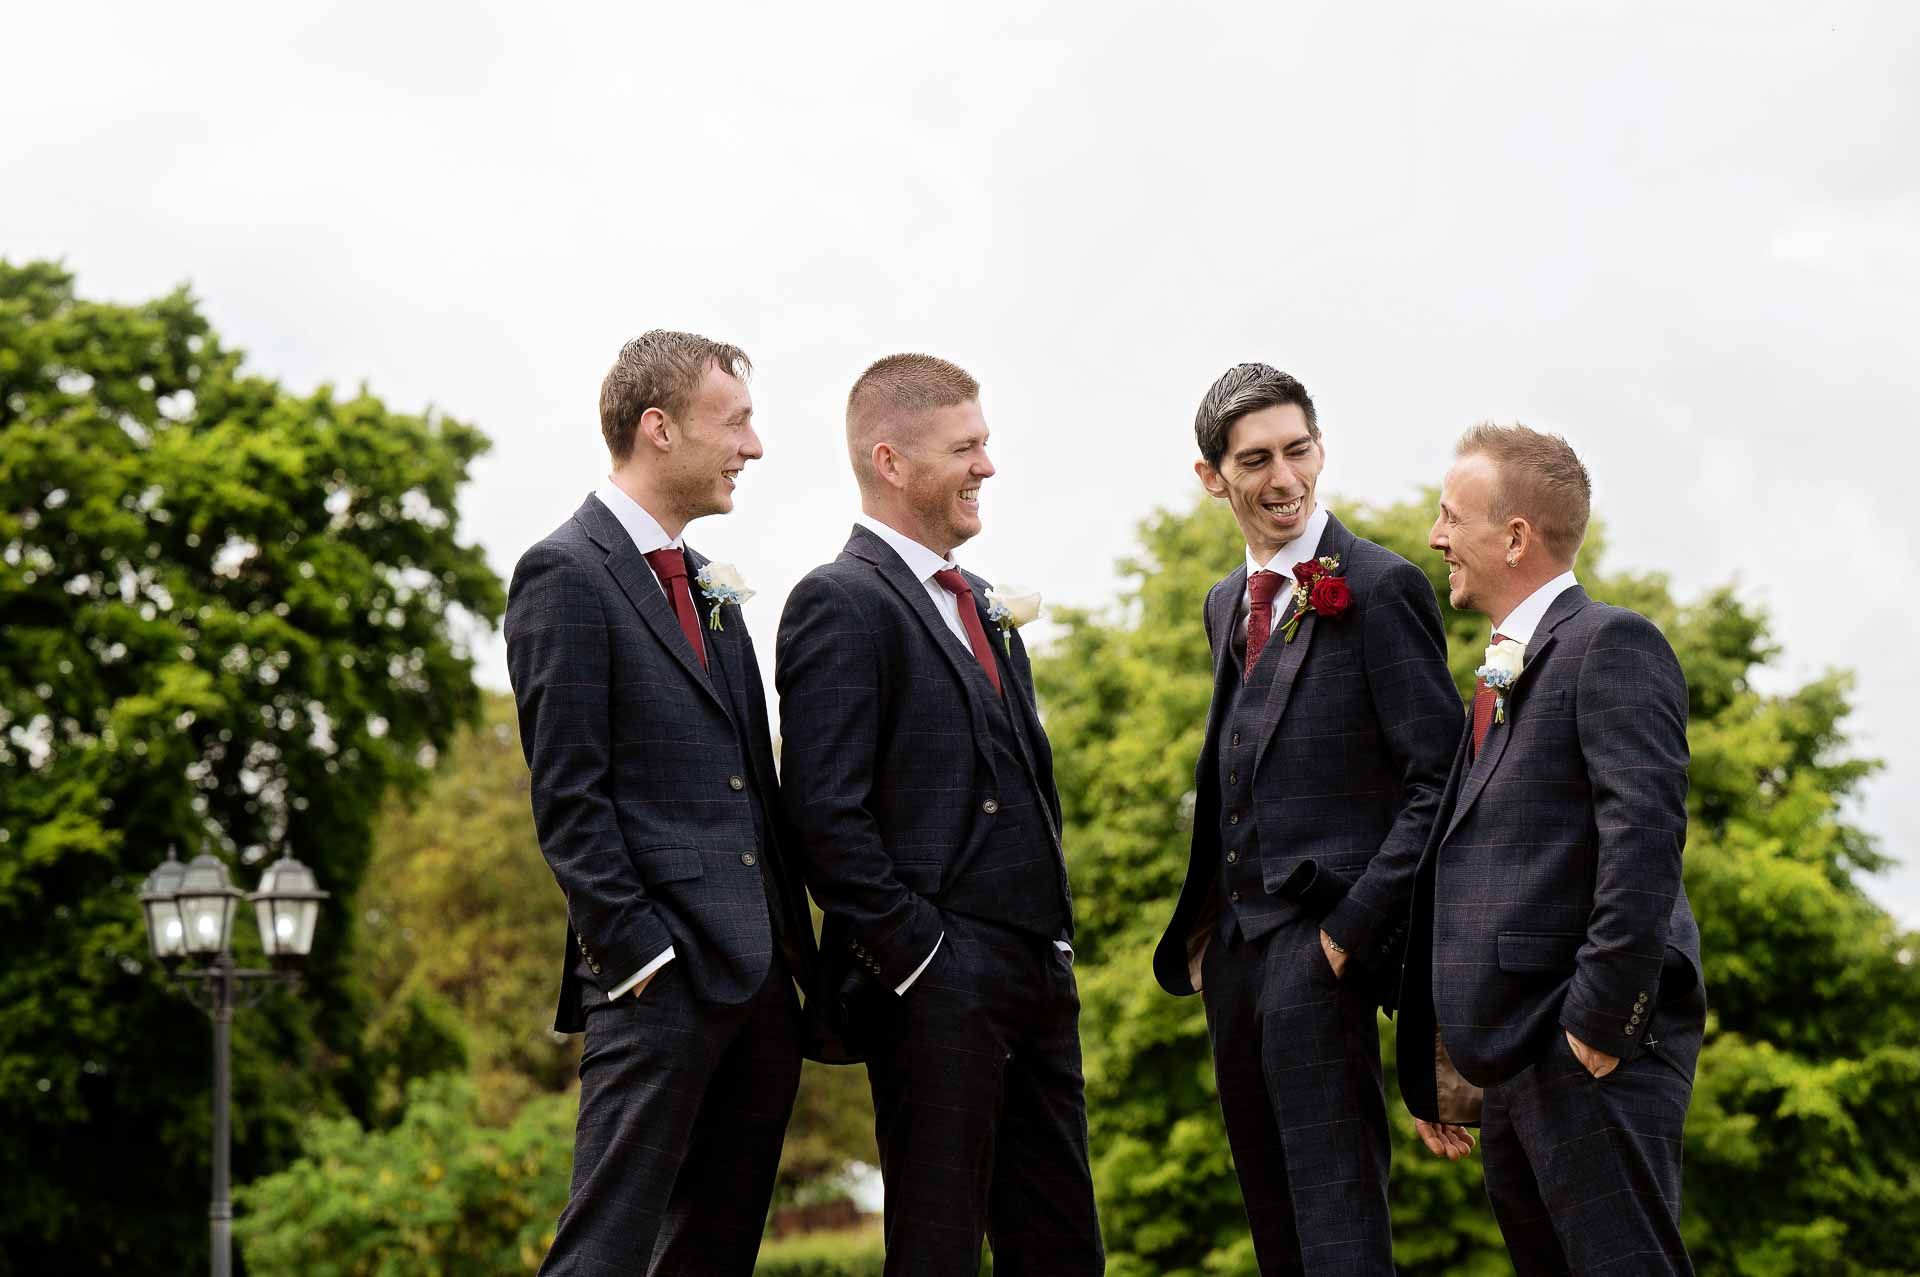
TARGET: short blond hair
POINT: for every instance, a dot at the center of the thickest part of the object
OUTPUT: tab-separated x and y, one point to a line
659	369
1541	480
891	394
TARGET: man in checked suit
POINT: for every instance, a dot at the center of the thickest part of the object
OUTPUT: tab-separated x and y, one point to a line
1551	944
921	782
1317	784
644	723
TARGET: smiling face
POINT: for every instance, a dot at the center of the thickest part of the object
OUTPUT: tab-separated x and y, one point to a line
710	443
940	473
1474	543
1268	475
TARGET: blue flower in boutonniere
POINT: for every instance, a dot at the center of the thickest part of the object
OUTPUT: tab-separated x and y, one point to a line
722	584
1503	664
1010	609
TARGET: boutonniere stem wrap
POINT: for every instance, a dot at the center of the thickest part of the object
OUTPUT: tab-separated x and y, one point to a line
722	584
1320	589
1010	609
1502	665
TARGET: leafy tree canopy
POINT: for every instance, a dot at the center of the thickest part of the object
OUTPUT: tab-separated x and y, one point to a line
234	620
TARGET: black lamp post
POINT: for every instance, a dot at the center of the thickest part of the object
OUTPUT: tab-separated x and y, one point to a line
189	910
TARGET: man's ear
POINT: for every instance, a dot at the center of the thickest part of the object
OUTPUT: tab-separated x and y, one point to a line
1520	541
1210	478
656	429
886	463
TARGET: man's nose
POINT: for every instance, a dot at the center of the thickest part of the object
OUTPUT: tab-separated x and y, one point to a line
1435	541
983	468
752	448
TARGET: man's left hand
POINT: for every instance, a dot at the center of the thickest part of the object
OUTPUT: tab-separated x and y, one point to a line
1598	1063
1336	956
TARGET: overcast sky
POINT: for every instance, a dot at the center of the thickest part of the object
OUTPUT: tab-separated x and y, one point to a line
1686	235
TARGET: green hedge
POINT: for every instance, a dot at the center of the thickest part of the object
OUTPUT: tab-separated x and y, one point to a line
856	1253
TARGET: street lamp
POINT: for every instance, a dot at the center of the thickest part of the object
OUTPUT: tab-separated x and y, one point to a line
189	911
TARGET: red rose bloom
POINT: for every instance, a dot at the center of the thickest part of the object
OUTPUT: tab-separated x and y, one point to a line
1329	595
1309	571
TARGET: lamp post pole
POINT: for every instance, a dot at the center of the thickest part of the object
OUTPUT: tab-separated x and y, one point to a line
220	989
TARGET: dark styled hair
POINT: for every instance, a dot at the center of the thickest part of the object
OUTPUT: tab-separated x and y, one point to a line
1242	389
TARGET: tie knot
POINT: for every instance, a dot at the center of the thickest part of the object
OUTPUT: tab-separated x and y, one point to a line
950	580
668	564
1263	586
1499	638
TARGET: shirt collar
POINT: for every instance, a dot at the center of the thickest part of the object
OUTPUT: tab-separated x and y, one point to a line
645	530
1296	551
1525	619
920	561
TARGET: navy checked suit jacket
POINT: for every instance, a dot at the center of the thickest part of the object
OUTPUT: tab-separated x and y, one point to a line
889	775
1355	739
644	769
1549	896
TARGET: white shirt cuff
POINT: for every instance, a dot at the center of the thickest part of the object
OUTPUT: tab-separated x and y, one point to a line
908	982
1065	948
626	987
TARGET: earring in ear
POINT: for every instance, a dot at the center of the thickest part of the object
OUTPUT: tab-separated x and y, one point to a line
1513	563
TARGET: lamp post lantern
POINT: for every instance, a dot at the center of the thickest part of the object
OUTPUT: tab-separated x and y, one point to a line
189	912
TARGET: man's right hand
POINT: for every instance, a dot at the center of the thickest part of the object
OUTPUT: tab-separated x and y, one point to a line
1443	1139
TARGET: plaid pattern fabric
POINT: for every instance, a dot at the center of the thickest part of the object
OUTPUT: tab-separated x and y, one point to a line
645	771
1352	751
927	809
1549	899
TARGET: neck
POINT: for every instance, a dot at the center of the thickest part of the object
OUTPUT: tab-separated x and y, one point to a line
639	485
1521	591
902	521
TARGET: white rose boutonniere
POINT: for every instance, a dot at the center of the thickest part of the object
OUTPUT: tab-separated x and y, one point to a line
722	584
1502	665
1010	608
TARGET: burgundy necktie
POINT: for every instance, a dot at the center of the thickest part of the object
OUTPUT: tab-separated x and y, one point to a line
1262	588
670	565
1484	698
950	580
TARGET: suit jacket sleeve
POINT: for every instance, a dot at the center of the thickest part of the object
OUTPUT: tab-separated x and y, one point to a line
827	673
558	661
1420	715
1631	714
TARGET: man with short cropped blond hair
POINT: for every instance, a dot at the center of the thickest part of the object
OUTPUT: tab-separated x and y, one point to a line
1552	986
921	781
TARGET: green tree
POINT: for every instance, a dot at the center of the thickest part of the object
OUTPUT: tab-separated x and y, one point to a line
233	620
1803	1148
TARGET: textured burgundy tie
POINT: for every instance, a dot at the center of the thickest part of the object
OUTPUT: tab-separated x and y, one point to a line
1484	698
950	580
670	565
1262	588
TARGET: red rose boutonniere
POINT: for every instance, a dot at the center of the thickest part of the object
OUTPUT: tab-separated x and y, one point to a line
1318	588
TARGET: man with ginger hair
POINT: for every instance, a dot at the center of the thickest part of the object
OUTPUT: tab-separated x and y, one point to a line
654	797
1552	988
920	780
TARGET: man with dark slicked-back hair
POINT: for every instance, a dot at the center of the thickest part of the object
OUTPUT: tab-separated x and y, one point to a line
1325	749
645	726
921	781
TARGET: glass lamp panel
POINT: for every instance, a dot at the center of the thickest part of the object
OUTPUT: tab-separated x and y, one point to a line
306	916
165	931
206	906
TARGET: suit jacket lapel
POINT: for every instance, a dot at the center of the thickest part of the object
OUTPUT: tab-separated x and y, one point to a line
1334	539
724	648
1223	612
871	549
1495	744
642	588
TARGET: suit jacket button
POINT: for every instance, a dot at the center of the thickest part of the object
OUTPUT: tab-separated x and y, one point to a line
1233	778
1233	857
1236	738
734	782
874	967
1234	896
746	858
593	967
1233	818
990	806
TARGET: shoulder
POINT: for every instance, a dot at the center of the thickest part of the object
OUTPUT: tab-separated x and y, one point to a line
1383	574
1607	626
565	549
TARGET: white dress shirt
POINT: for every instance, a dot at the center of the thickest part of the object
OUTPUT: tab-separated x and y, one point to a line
1284	561
648	536
1519	625
923	563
